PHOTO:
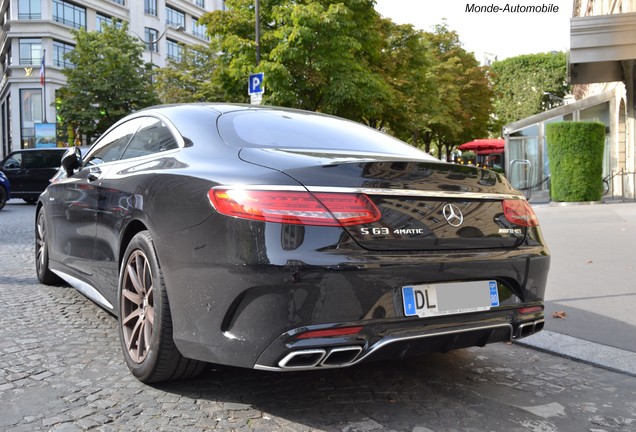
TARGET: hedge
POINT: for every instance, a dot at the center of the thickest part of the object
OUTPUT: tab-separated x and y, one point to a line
575	152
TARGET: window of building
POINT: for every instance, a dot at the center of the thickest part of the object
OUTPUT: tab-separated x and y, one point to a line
150	7
60	49
101	20
175	50
174	17
200	3
7	132
30	114
69	14
121	2
30	9
30	51
6	61
199	30
151	37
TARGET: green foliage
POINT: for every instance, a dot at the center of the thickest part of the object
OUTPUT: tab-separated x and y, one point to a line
316	55
108	81
575	152
189	79
461	109
521	85
469	156
342	58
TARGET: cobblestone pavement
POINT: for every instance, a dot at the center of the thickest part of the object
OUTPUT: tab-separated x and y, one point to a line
62	370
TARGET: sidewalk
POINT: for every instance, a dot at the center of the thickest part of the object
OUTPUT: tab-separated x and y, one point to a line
592	283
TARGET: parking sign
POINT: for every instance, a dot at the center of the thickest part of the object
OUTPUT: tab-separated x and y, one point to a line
255	84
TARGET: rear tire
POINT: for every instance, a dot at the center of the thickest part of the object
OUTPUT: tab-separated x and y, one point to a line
45	275
3	197
145	323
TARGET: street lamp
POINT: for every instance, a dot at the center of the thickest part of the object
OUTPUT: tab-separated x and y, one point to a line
153	42
257	29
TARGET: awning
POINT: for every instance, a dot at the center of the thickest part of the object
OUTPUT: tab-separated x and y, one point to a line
484	146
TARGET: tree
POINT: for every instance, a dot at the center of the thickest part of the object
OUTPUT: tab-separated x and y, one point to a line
461	110
108	81
316	54
526	85
405	63
188	79
340	57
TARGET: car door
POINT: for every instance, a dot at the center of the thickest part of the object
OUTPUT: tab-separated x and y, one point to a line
122	190
38	167
74	202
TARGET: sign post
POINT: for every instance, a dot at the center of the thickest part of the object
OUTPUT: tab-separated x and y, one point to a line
255	88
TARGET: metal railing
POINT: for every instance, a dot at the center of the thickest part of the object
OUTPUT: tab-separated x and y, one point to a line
619	185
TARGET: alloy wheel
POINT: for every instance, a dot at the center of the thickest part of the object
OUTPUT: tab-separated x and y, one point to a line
40	243
137	306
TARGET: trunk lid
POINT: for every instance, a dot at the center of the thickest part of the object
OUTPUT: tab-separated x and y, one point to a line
424	205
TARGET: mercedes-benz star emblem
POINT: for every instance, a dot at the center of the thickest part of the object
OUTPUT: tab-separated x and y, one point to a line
453	215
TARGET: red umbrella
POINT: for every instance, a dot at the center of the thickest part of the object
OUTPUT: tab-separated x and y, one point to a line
486	145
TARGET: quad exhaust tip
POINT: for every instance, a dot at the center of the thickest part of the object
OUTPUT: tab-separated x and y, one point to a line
320	357
530	328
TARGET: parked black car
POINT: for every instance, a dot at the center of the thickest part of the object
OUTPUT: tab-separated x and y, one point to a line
286	240
29	170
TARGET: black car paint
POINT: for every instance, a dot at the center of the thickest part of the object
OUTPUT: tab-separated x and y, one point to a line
241	290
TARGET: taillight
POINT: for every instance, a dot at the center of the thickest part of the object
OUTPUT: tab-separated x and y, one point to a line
298	208
519	212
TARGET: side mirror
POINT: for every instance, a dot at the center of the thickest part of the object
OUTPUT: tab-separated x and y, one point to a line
71	160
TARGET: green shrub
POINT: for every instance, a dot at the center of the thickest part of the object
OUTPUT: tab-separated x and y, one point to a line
575	152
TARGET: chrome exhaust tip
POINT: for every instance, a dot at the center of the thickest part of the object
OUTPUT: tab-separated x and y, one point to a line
302	359
320	357
530	328
342	356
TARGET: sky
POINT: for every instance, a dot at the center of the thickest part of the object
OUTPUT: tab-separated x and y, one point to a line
488	34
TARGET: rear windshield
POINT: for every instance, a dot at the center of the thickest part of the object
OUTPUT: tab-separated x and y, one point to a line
297	130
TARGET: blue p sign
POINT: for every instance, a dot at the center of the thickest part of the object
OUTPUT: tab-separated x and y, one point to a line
255	83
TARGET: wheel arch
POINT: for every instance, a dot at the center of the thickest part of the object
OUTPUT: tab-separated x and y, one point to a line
133	228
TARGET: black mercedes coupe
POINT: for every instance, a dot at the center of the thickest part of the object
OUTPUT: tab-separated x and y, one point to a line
286	240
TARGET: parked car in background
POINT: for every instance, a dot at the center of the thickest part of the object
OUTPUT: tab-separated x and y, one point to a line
5	190
286	240
29	170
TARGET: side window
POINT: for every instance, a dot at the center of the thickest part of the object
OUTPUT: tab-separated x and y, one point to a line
42	159
32	160
153	137
112	145
13	162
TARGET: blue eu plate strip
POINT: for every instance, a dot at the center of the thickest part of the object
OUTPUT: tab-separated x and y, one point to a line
409	301
494	295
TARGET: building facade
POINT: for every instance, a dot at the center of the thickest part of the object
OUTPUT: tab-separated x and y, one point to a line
35	35
603	61
601	68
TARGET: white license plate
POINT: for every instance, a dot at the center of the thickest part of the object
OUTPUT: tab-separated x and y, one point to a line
449	298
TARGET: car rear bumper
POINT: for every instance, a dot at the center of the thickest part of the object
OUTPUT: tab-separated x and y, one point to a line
246	307
397	340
